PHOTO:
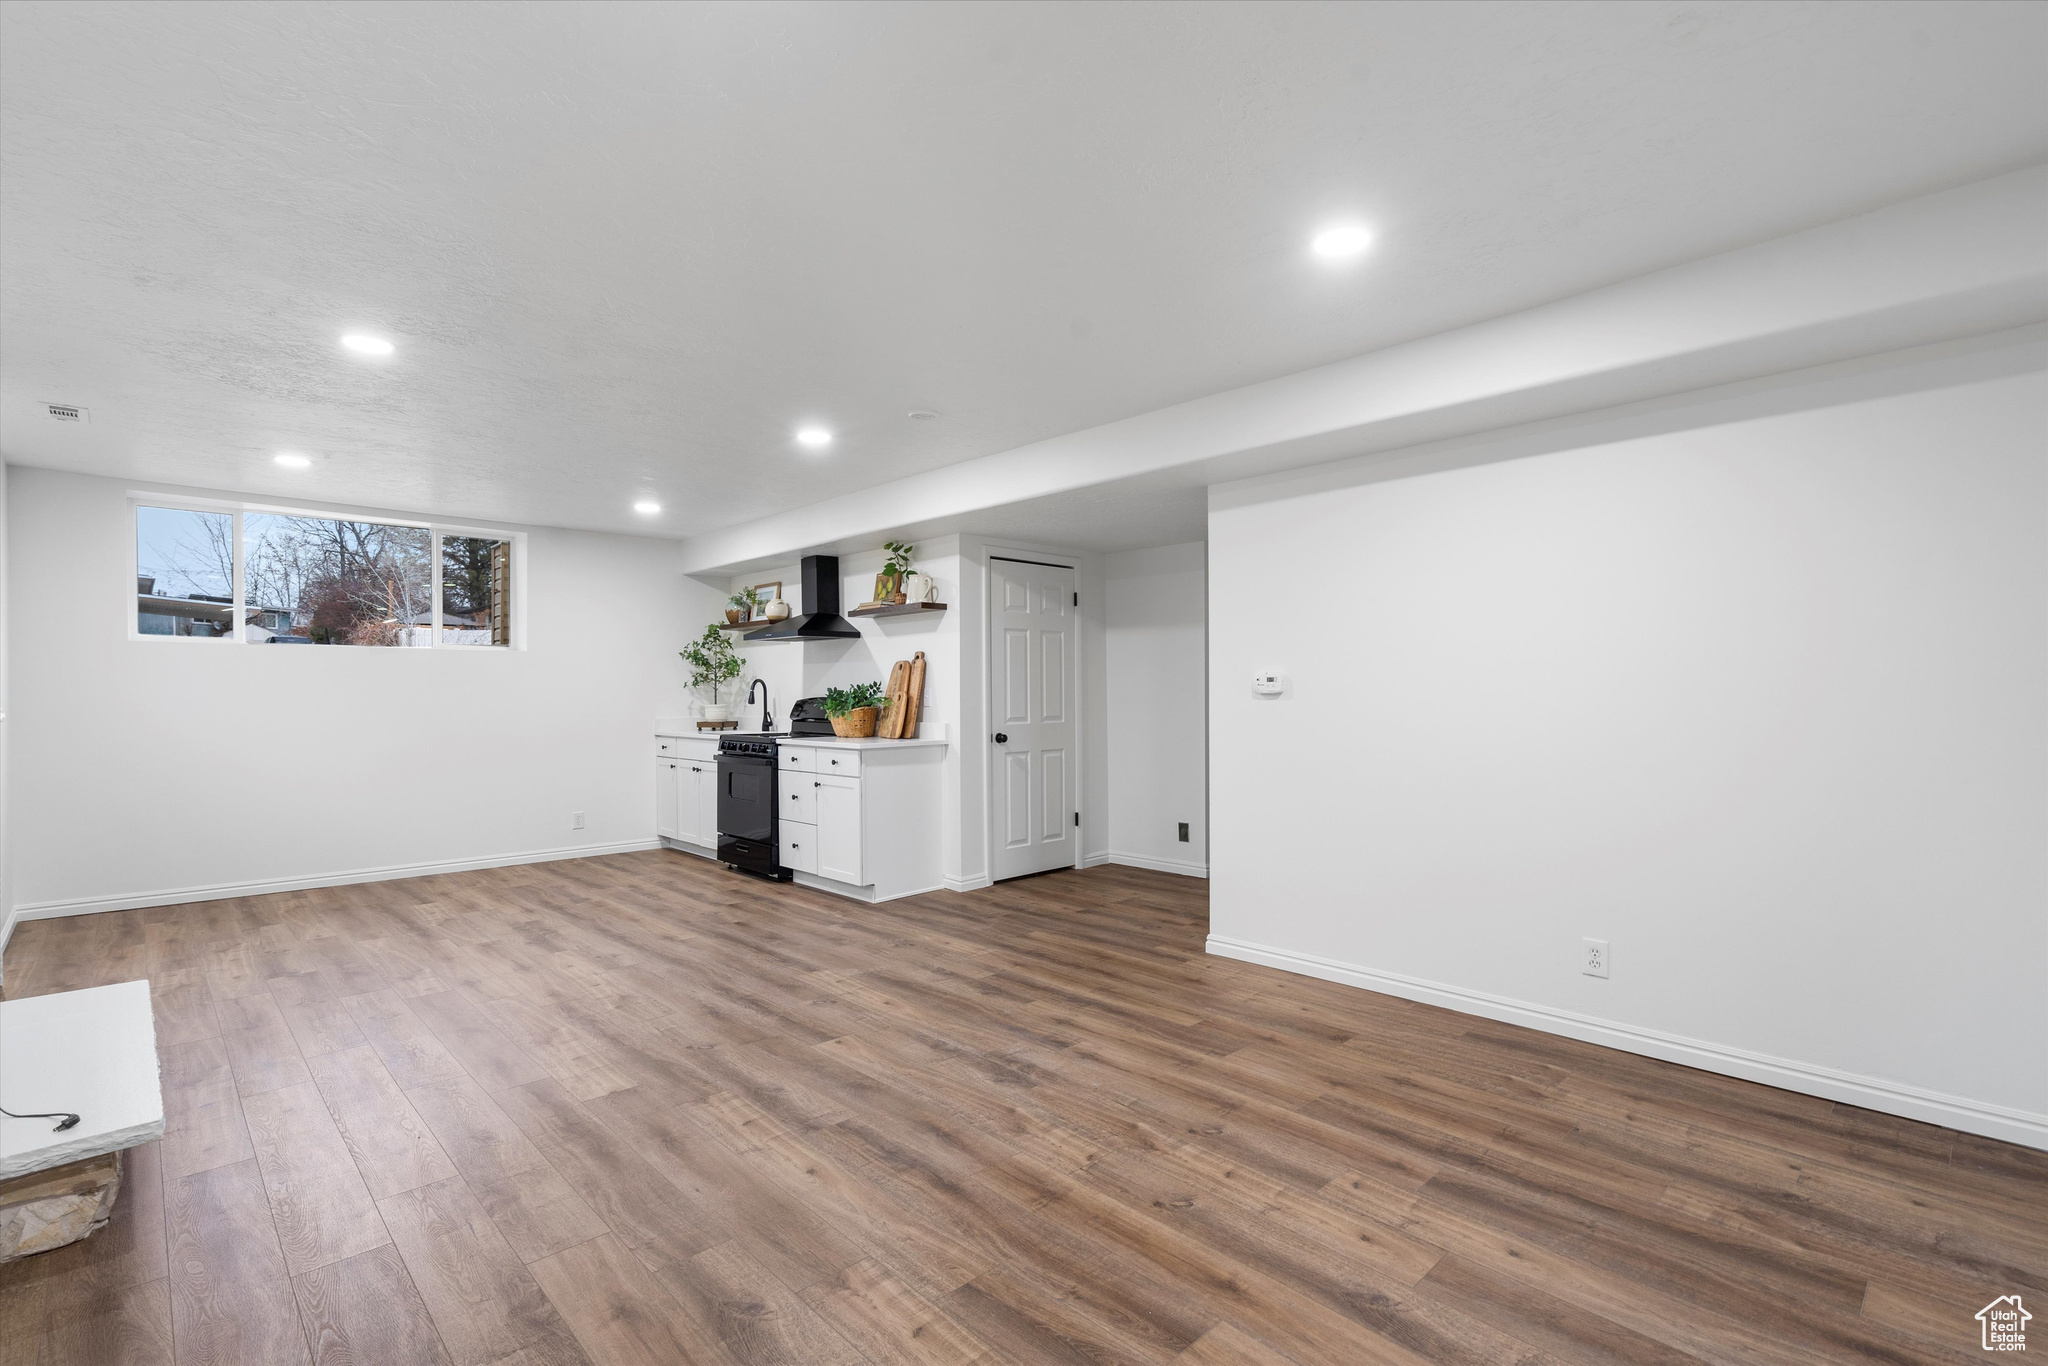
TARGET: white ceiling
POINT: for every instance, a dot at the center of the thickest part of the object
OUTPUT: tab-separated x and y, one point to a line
625	249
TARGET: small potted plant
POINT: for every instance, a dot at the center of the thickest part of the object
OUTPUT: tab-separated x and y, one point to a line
889	583
714	663
739	608
853	711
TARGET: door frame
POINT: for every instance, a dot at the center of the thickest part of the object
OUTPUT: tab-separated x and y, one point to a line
1053	559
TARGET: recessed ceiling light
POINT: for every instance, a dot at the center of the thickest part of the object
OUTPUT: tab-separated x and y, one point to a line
1341	242
364	344
813	438
923	414
647	507
292	462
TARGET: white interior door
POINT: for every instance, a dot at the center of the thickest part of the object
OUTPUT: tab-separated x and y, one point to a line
1031	672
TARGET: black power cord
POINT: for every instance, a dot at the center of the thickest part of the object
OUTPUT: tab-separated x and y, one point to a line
65	1119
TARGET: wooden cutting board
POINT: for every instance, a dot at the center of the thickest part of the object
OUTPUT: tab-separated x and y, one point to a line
892	701
913	700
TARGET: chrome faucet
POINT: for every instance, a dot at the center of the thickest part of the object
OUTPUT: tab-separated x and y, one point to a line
767	716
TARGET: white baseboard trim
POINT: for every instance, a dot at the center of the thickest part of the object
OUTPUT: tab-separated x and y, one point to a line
178	896
1872	1093
1157	865
969	884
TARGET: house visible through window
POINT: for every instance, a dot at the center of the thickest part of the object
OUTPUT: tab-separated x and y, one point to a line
184	572
314	580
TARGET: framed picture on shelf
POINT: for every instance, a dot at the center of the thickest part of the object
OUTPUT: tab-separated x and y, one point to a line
765	593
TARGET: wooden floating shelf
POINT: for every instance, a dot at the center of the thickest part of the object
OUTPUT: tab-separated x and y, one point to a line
749	626
895	609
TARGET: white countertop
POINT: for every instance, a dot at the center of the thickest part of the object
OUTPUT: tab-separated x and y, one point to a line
668	725
835	742
91	1051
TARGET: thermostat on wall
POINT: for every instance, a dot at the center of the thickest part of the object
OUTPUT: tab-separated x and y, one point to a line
1268	685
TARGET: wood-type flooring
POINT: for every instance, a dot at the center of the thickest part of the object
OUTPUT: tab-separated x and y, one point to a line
642	1110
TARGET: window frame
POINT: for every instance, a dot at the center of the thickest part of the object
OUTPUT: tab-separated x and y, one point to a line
238	508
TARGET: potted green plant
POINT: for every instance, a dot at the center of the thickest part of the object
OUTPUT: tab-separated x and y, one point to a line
714	663
853	711
889	583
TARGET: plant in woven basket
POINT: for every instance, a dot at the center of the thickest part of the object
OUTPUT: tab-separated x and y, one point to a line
854	711
841	701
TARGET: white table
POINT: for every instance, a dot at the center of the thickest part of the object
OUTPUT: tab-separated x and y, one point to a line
92	1052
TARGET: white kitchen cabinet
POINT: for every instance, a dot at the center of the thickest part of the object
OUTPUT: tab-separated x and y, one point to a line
838	806
798	794
697	802
686	790
799	851
665	794
861	817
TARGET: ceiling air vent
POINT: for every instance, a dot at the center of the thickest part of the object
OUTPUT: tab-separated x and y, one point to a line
66	412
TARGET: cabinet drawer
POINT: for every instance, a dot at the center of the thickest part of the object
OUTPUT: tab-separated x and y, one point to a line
684	747
845	762
794	759
799	846
797	795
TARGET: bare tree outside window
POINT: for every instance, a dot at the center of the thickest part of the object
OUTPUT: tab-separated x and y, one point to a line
331	582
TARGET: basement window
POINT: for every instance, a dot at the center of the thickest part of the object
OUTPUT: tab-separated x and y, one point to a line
476	590
268	576
184	573
326	581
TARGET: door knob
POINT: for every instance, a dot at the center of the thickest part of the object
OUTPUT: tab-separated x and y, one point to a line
1002	739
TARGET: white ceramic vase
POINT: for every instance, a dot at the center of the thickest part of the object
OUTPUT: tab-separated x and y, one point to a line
714	712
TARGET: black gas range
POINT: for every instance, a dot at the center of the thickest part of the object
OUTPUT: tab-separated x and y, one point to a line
748	816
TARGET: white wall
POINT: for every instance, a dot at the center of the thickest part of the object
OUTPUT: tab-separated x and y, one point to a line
1155	642
6	729
151	769
1764	703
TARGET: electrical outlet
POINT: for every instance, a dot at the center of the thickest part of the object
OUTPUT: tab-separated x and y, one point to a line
1183	832
1595	958
575	820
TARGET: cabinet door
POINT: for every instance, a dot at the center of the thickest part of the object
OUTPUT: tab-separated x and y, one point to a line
694	781
707	802
839	828
665	796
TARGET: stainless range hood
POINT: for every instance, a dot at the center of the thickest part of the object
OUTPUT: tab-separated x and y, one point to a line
820	619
